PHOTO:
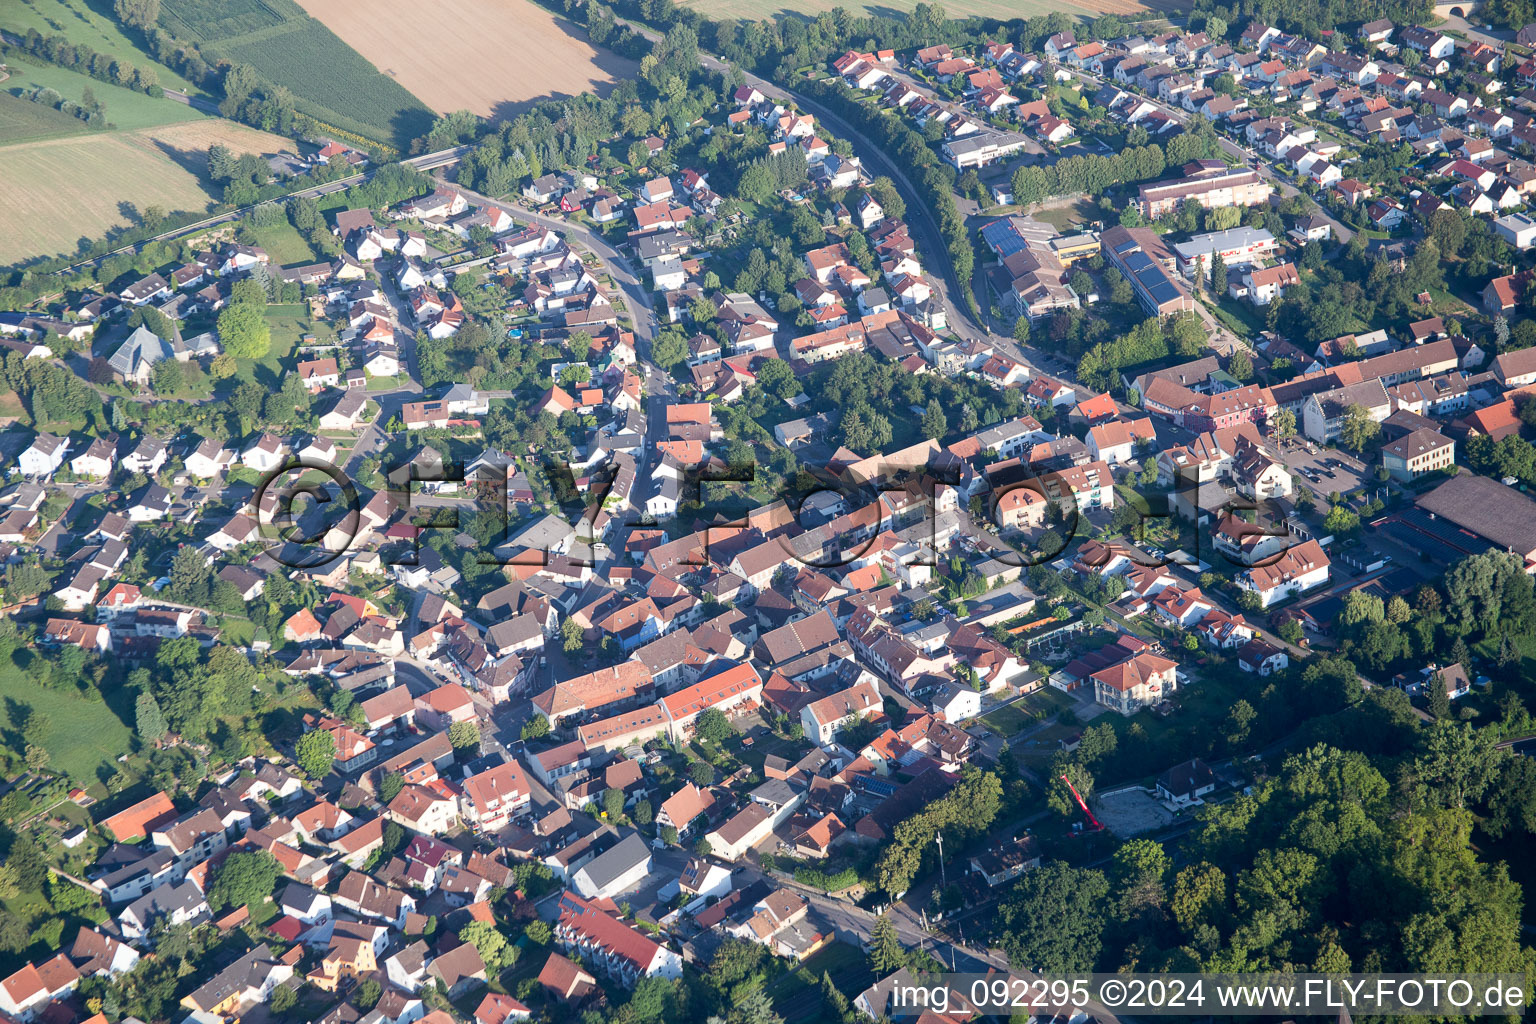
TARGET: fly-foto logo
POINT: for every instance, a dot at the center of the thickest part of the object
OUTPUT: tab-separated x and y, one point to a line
311	514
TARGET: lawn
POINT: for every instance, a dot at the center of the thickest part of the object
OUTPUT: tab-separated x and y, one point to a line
1006	721
1242	317
284	244
288	323
82	734
1067	217
88	23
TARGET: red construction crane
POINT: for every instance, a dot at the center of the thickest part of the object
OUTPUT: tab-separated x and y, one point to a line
1097	827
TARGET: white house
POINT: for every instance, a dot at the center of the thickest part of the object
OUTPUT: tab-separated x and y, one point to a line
265	455
43	456
1299	569
822	720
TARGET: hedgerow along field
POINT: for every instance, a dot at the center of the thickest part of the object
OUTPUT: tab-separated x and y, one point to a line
84	23
330	81
65	181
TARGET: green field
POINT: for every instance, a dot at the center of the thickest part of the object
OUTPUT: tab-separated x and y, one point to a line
1005	721
24	121
288	323
284	244
82	734
124	108
88	23
330	81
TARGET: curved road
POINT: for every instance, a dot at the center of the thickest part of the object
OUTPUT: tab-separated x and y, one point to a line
924	228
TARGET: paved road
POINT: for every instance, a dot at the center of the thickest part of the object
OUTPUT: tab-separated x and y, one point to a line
853	924
615	263
207	106
659	386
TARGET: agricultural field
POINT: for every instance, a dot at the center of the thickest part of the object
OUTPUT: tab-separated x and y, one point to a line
759	10
25	121
457	59
65	185
330	81
123	108
86	23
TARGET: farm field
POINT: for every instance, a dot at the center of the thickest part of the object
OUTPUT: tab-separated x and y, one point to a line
24	121
457	58
89	23
759	10
82	185
124	108
330	81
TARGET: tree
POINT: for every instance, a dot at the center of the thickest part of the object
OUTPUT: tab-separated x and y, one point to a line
669	350
167	377
316	753
535	728
1458	764
245	879
465	737
1021	330
643	812
886	954
1199	896
669	835
282	1000
1358	428
243	331
702	773
141	14
36	757
1239	721
1139	869
935	424
191	576
1059	798
573	634
712	725
1053	918
9	889
26	859
1512	803
885	193
1241	367
613	803
490	943
390	786
149	722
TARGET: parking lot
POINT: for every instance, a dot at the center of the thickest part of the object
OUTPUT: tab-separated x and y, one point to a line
1326	471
